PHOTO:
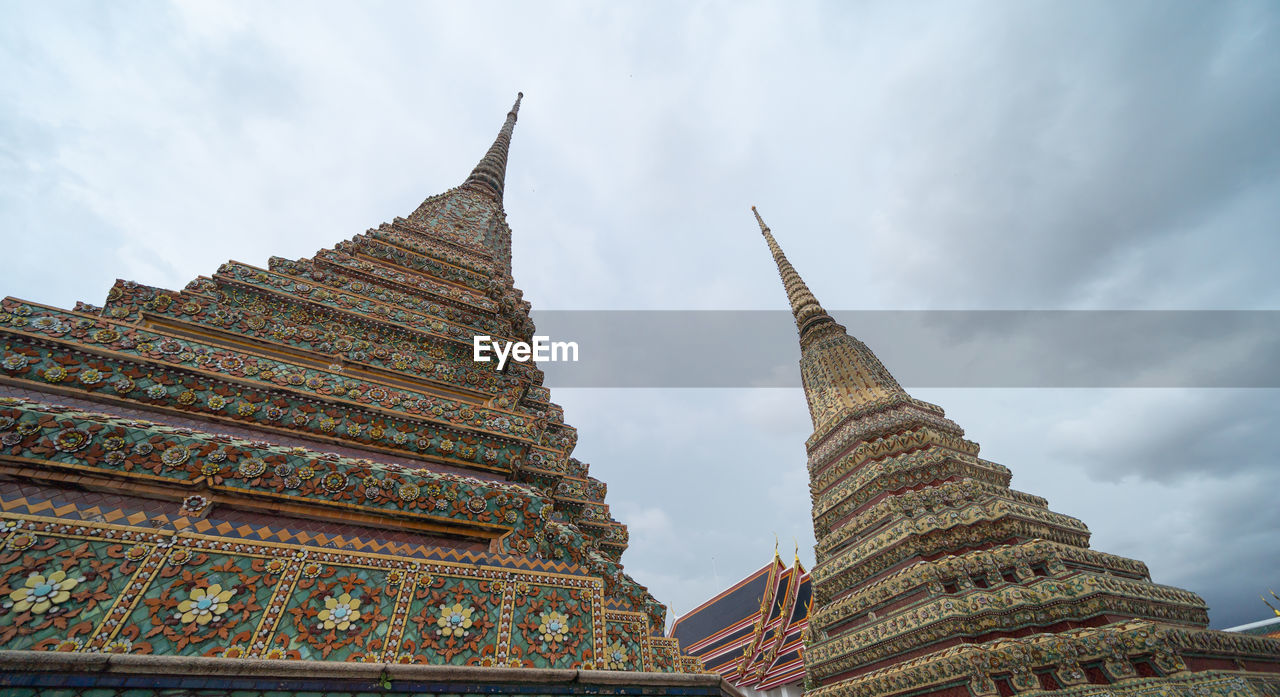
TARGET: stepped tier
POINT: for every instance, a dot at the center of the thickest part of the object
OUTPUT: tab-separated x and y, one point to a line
304	461
933	577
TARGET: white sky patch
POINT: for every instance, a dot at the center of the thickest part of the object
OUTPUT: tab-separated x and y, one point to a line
645	523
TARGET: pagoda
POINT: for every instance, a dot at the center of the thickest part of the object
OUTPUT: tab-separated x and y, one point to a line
305	462
933	577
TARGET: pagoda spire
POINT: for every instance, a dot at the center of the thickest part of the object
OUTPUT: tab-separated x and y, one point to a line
491	173
839	372
808	312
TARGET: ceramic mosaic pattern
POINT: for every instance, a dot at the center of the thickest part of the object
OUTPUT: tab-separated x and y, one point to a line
195	602
57	590
453	623
84	441
57	685
622	651
119	589
552	627
357	415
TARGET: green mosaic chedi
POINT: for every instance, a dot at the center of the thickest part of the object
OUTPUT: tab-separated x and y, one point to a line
304	462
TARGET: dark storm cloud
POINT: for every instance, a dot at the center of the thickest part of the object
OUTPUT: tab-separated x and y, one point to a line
1133	136
1049	154
1238	535
1168	436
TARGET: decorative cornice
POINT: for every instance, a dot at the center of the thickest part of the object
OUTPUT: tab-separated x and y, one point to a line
930	577
939	499
1003	609
970	525
1114	647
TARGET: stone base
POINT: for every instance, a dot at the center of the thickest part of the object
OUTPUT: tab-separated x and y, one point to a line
53	674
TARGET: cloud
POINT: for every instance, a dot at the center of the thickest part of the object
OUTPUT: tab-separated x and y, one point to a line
649	524
1167	436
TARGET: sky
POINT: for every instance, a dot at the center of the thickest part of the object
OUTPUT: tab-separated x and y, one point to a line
908	156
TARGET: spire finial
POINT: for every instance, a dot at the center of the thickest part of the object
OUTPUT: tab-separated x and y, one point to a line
808	313
763	227
491	173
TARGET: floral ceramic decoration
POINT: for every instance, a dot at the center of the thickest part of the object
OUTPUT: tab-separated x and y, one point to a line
552	627
338	613
624	649
452	620
196	602
54	589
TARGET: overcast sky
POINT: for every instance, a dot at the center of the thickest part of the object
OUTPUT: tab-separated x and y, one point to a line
954	156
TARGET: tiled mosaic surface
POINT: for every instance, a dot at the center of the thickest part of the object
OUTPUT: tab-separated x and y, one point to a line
121	589
304	462
77	441
49	441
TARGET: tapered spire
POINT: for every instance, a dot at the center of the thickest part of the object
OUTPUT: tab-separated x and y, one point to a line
808	312
491	173
838	371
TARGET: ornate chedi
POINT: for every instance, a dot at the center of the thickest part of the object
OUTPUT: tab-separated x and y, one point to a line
934	577
305	462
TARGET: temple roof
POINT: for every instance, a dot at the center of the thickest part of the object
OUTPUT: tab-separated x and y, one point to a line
751	632
1269	627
